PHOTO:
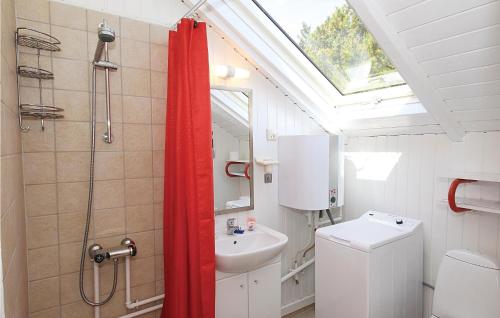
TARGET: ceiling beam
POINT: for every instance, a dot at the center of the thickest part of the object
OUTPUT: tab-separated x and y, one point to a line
388	39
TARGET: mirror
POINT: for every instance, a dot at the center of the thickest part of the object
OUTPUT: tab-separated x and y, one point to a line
232	150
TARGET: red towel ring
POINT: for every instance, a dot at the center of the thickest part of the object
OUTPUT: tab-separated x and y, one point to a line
245	172
451	194
247	167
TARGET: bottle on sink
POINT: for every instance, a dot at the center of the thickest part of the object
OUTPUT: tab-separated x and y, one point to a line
251	223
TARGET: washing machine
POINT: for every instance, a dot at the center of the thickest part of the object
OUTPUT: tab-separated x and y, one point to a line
371	267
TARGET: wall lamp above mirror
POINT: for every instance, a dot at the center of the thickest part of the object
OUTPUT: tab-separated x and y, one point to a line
232	149
228	71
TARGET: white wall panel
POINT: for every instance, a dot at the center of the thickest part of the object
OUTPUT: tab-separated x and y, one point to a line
471	90
476	58
479	102
453	25
429	11
415	188
482	38
482	125
391	6
479	115
469	76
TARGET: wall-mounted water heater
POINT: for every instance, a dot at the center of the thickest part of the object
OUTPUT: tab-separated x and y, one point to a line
311	171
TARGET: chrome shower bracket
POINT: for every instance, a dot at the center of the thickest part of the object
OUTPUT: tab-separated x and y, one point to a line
107	138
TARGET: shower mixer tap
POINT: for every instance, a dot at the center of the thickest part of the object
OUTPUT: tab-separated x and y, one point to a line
99	254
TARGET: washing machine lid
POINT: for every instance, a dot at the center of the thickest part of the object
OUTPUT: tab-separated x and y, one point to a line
370	231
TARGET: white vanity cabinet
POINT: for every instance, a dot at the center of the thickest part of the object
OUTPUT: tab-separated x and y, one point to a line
264	292
256	294
231	297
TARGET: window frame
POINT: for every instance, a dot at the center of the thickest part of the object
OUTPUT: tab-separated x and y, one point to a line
280	28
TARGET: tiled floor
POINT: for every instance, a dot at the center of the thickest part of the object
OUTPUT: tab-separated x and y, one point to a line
307	312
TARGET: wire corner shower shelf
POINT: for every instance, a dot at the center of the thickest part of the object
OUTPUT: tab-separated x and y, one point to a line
38	41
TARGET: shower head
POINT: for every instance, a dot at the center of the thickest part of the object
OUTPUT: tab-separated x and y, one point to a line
105	32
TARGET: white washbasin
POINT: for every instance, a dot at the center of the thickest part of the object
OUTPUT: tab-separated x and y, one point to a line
241	253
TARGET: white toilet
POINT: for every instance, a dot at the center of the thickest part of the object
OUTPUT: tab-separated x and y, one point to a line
467	286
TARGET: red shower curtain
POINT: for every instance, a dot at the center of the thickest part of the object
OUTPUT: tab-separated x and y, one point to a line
188	237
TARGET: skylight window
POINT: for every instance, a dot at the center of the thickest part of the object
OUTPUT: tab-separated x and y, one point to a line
331	35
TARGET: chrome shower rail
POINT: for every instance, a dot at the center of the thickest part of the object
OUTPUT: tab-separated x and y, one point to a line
106	35
189	13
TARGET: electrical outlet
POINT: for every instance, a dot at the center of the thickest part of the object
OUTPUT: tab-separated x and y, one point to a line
268	178
270	135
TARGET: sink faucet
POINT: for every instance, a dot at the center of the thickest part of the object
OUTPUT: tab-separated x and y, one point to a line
231	226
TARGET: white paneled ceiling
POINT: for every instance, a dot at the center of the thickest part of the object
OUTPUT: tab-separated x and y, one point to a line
456	45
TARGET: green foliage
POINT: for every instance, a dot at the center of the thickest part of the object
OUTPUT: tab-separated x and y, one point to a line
340	43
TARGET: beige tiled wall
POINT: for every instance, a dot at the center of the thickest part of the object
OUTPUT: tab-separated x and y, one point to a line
13	233
129	172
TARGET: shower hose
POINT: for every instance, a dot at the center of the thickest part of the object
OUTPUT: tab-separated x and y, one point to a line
89	207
